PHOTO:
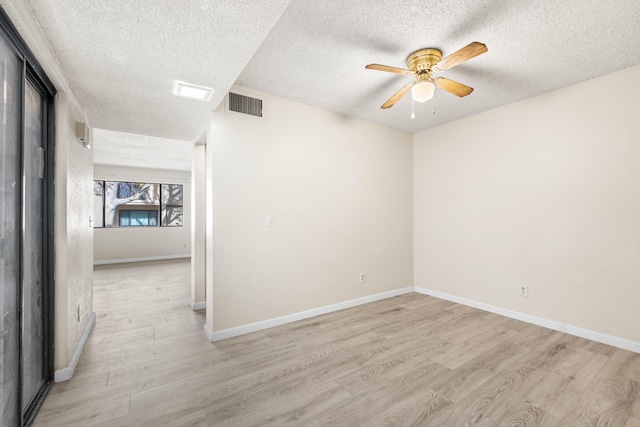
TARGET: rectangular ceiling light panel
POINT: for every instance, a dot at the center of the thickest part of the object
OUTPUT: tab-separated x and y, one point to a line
192	91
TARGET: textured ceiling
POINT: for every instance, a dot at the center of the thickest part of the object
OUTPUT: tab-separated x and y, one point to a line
140	151
121	57
317	52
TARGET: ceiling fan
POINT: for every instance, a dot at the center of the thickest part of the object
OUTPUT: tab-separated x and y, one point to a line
422	64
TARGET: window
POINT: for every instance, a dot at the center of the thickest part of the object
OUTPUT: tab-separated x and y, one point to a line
129	218
137	204
98	203
172	205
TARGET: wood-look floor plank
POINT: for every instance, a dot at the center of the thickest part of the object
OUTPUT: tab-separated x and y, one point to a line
72	414
410	360
400	356
634	416
442	389
561	386
523	414
418	410
610	397
608	401
491	398
241	391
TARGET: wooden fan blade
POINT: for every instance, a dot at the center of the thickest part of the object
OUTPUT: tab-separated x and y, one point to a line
466	53
387	69
395	98
453	87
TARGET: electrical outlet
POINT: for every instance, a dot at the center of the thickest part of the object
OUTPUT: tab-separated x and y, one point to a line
524	291
363	278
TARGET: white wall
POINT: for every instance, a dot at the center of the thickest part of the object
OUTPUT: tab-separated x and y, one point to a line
340	190
545	193
143	243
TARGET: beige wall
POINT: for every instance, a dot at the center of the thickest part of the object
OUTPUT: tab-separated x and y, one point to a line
545	193
340	190
137	243
73	233
198	227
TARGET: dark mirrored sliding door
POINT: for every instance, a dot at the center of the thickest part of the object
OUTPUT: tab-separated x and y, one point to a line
10	203
26	325
33	362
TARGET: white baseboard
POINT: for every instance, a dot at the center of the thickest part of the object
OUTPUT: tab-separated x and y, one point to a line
603	338
551	324
141	259
270	323
195	306
66	373
208	332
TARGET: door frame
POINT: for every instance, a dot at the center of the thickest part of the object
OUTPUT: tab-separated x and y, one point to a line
46	239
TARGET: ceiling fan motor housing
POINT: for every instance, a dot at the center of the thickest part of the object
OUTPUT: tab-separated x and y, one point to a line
423	60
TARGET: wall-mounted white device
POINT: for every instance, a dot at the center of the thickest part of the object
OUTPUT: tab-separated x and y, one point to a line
82	132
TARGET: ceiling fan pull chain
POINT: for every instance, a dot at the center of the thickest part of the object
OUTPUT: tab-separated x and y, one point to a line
433	104
413	112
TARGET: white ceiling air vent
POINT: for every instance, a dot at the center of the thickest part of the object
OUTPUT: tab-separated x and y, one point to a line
245	104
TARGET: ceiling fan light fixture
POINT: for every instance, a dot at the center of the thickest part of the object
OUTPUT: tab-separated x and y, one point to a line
423	91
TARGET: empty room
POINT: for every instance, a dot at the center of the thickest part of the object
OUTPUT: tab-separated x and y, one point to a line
313	213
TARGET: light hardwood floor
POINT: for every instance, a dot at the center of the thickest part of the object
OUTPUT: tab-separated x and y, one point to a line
410	360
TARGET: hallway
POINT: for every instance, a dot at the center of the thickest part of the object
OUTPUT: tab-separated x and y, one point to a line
145	336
